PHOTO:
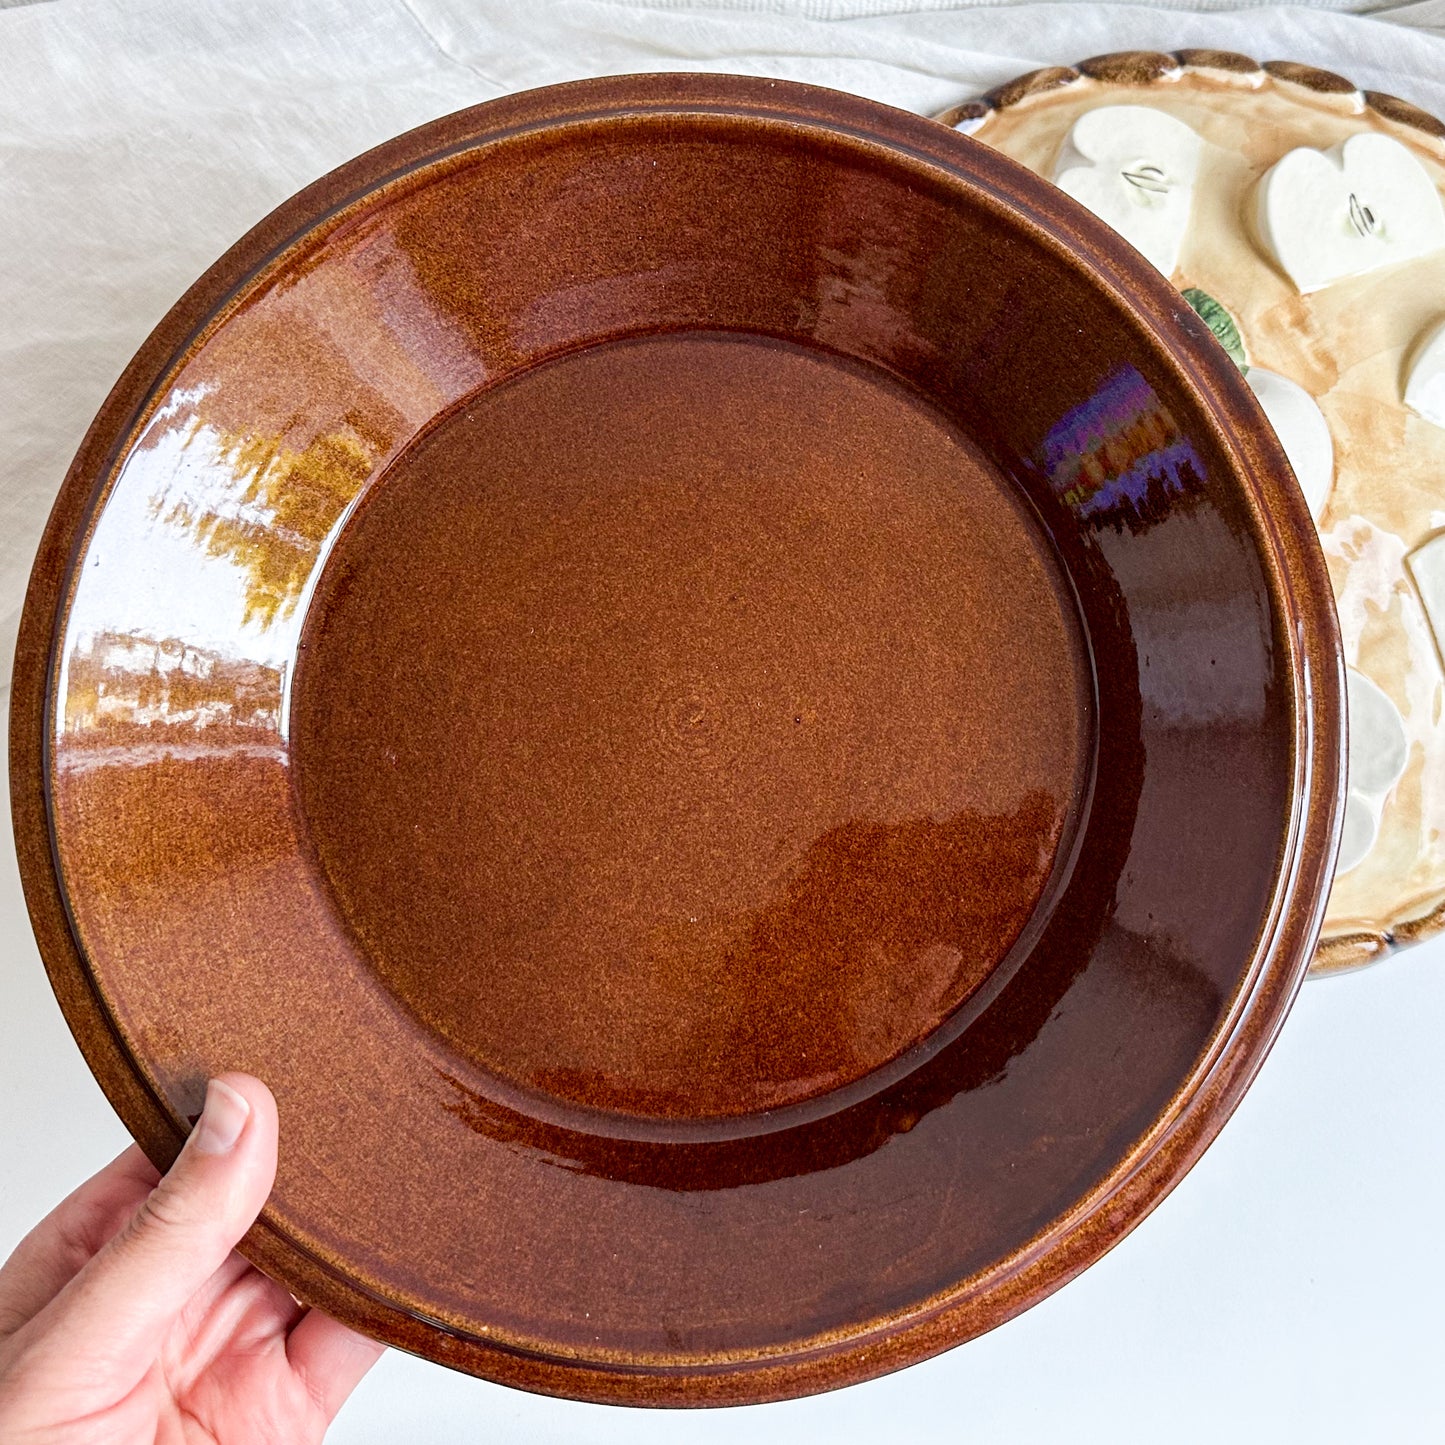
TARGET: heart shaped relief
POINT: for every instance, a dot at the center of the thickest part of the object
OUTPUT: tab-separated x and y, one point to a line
1379	751
1425	385
1361	205
1302	430
1134	167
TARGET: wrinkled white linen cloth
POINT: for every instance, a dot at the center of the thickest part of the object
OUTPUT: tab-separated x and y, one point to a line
139	138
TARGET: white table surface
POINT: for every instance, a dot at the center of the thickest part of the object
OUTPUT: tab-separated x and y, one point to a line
1291	1289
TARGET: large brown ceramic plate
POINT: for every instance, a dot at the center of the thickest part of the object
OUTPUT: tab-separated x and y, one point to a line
726	696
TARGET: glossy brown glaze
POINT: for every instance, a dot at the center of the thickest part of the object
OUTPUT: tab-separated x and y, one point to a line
703	768
663	498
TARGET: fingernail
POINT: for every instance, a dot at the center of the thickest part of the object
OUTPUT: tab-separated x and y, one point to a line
222	1119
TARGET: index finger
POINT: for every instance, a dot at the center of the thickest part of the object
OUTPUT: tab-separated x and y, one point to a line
51	1255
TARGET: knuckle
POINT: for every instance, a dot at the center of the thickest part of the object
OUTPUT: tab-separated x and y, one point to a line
167	1208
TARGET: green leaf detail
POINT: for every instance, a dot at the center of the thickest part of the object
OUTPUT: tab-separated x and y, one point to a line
1220	322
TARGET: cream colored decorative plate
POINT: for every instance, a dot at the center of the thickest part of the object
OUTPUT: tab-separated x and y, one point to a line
1303	219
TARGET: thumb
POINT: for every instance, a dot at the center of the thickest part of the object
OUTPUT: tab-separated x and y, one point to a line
118	1307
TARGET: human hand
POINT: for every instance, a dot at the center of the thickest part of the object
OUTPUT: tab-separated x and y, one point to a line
127	1316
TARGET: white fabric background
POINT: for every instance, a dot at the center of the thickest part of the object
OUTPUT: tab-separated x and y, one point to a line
1290	1289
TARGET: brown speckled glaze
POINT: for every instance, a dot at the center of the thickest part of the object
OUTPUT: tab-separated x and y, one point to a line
650	656
1230	60
1402	112
1129	67
672	788
1143	67
1326	82
1036	82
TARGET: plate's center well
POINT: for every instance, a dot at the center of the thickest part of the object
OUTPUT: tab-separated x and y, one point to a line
688	726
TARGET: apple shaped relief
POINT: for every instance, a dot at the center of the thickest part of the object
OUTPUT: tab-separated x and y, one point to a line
1302	430
1425	385
1427	568
1328	214
1379	751
1134	167
1293	413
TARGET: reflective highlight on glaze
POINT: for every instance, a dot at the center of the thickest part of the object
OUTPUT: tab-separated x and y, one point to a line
1119	456
1066	782
1367	462
667	785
